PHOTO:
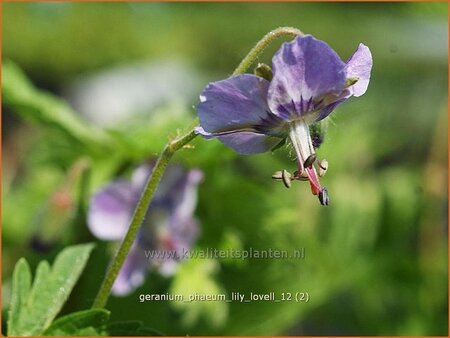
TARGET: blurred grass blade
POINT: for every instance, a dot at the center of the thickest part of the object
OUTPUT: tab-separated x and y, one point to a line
44	108
32	311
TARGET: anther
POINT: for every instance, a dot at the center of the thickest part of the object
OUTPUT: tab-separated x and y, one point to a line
302	177
323	196
286	176
277	175
310	160
323	167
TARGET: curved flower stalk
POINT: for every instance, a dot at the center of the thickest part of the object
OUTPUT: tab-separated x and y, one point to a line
252	115
168	230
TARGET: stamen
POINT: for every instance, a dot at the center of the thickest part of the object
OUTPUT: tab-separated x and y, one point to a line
297	149
283	175
277	175
286	178
310	161
323	167
323	197
301	177
313	180
302	143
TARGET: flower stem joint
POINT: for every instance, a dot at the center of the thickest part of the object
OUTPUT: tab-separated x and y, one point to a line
256	113
264	71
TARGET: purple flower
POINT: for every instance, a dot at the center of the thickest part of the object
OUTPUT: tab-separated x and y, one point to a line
252	115
168	230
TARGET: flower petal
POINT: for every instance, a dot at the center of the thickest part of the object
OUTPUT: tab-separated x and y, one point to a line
327	110
304	70
235	103
174	205
168	268
184	233
359	65
183	227
173	180
248	143
110	210
140	176
186	196
132	274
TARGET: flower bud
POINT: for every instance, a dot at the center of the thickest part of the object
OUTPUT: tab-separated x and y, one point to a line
264	71
351	81
317	131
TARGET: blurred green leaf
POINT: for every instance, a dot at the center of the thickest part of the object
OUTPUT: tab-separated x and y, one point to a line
33	310
93	322
43	108
197	277
129	328
78	323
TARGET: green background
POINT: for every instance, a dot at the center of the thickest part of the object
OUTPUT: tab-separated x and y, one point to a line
376	258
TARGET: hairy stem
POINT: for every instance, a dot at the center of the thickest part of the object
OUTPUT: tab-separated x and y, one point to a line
138	216
158	171
262	44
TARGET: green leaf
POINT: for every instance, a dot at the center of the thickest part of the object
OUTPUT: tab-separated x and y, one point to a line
94	323
79	323
32	311
129	328
19	294
44	108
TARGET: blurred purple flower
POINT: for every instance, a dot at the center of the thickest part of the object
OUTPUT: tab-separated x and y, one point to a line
252	115
169	225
